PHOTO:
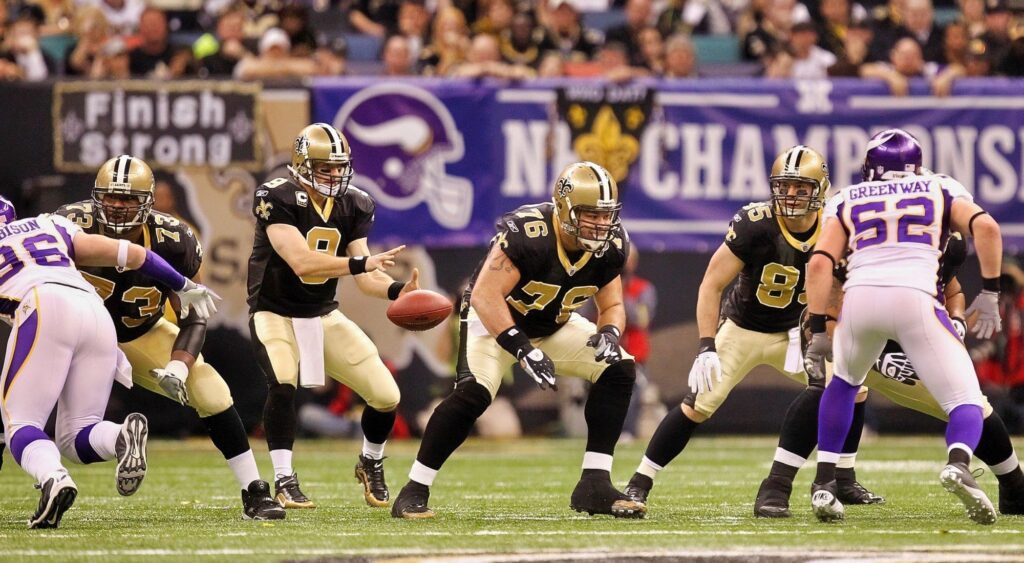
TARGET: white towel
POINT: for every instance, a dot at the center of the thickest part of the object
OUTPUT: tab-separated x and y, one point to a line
309	335
123	370
794	356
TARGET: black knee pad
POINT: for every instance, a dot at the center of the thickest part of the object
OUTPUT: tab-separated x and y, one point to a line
619	374
281	392
469	398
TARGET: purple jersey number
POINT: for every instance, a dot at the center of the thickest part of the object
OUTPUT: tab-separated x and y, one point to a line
877	224
918	211
924	219
38	248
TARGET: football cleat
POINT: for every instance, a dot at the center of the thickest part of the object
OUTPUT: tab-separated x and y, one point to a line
57	495
595	494
824	503
852	492
288	493
639	487
773	498
1011	500
412	502
370	472
257	503
130	450
957	479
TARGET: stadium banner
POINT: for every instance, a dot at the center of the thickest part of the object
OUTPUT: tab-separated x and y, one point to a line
167	124
443	159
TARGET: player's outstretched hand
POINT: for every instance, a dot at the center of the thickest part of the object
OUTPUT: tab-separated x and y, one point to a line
413	284
539	366
986	306
384	260
819	350
606	344
171	379
706	370
198	296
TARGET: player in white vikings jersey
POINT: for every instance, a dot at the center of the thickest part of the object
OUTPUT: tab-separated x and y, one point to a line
892	228
63	352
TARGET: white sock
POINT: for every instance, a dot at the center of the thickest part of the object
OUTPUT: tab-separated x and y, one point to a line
422	474
648	468
244	467
846	461
594	460
789	458
1006	466
40	458
103	439
961	446
282	460
373	451
828	457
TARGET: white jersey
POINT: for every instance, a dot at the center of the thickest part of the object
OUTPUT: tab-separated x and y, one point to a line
897	229
35	251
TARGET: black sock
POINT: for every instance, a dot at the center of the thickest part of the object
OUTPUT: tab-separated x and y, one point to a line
852	443
959	455
227	432
826	472
377	425
671	437
451	422
995	447
279	417
606	407
799	434
782	472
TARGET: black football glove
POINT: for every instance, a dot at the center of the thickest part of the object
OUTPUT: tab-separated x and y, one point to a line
539	366
606	344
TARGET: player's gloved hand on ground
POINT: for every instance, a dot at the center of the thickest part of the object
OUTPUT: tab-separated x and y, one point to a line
606	344
197	296
707	369
960	326
819	350
171	379
986	306
539	366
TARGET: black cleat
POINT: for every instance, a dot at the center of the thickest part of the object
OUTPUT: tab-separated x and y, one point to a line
130	450
1011	500
595	494
257	503
412	502
773	498
852	492
370	472
639	487
57	496
824	503
288	493
956	478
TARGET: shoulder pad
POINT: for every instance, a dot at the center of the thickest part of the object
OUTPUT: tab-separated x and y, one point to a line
361	199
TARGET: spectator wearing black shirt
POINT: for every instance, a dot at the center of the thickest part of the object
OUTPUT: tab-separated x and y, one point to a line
375	17
294	20
219	55
566	35
919	23
155	57
522	42
21	47
638	17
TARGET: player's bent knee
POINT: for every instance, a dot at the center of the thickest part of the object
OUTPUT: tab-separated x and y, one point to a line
469	398
208	394
690	412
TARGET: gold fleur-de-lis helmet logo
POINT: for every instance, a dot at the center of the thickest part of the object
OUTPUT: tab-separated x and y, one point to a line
263	209
564	187
302	145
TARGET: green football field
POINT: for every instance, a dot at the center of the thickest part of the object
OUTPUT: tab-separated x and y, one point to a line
507	501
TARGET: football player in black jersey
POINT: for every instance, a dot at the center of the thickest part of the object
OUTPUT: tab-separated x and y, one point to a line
543	264
311	229
165	358
767	246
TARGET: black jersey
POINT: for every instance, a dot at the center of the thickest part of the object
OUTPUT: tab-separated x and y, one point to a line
769	293
136	302
552	283
273	286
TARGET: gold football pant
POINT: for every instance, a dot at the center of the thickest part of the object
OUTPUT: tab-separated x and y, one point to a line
350	357
567	348
207	391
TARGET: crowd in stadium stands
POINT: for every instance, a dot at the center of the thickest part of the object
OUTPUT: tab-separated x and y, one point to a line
513	39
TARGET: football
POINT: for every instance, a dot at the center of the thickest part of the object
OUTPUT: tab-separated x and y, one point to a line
421	309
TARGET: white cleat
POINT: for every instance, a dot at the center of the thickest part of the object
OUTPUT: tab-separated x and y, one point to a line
824	503
131	453
957	479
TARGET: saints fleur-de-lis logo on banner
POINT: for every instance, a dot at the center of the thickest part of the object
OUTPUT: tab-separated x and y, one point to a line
607	145
606	124
263	209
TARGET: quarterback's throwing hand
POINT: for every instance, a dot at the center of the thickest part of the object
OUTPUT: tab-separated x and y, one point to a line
384	260
986	305
197	296
539	366
606	344
171	379
819	350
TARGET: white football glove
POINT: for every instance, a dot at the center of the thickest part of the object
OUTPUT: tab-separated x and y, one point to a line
198	296
986	304
539	366
819	350
171	379
705	371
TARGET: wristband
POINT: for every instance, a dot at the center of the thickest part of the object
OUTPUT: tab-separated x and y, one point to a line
357	265
122	255
707	344
395	289
612	330
513	340
990	284
816	323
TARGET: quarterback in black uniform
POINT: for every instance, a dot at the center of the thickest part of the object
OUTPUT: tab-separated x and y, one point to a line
165	358
544	263
310	230
767	246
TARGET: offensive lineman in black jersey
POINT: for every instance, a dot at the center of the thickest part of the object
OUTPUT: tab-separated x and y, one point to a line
305	227
767	246
165	358
543	264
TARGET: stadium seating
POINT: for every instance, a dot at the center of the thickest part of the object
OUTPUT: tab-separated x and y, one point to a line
717	49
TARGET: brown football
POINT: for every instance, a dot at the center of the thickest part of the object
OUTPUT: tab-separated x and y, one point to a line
419	310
